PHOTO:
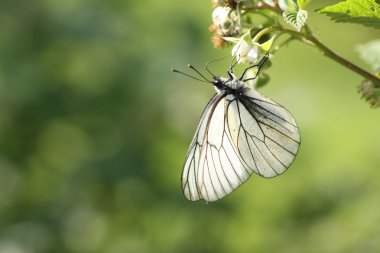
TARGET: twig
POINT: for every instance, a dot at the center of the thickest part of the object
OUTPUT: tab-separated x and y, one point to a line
307	37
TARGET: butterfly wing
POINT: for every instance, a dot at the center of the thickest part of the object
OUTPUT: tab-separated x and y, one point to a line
221	169
264	133
213	167
191	165
236	137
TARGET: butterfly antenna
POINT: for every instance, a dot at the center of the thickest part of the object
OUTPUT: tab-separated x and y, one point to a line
231	69
182	73
208	70
259	65
199	73
232	64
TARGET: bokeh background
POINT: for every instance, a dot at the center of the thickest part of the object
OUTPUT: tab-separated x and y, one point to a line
94	129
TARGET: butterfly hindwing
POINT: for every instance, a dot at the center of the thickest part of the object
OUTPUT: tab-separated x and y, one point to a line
274	142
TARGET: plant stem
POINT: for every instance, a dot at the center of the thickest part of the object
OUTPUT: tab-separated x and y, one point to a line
334	56
307	37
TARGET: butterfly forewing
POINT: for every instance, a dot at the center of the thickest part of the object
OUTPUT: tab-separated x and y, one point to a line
190	168
220	167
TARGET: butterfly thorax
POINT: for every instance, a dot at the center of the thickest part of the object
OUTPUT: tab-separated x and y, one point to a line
230	85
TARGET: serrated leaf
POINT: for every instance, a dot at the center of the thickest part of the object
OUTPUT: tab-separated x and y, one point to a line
290	17
302	16
296	18
370	53
364	12
370	93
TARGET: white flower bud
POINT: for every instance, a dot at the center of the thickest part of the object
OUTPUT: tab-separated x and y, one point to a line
245	52
225	19
220	15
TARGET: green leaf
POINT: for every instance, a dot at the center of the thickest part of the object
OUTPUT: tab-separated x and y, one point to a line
296	18
263	79
370	93
297	4
232	39
292	4
364	12
370	53
302	3
267	44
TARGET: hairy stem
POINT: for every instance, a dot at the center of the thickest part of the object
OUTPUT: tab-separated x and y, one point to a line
334	56
307	37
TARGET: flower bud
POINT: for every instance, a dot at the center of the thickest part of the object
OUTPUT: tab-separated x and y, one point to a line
225	23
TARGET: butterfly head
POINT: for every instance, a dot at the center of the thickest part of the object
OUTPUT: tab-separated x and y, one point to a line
229	85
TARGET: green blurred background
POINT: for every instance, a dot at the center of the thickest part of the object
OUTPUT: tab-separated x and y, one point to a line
94	129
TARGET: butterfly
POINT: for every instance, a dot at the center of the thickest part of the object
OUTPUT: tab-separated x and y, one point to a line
240	132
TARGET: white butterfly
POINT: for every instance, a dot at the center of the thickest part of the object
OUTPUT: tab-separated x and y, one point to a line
240	132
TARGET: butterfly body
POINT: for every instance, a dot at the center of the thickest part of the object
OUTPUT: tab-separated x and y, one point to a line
230	85
240	132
